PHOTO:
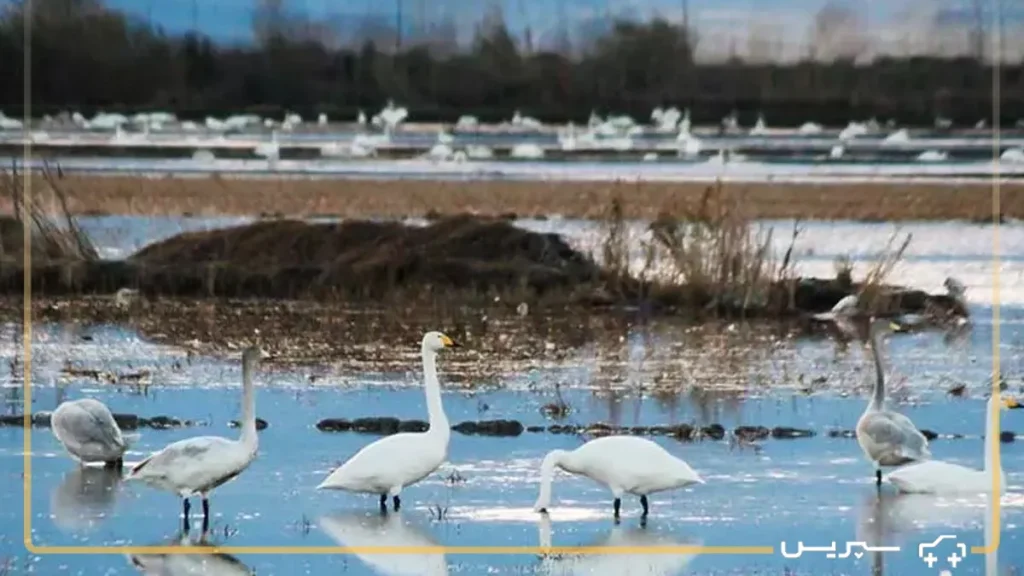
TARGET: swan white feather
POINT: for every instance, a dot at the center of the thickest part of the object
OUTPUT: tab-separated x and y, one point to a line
937	477
625	464
390	464
196	466
887	438
88	432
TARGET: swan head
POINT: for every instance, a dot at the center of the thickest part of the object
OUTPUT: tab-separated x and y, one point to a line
437	341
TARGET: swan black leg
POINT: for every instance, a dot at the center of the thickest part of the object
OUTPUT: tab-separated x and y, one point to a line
617	506
878	477
187	507
643	503
114	464
396	502
383	503
206	515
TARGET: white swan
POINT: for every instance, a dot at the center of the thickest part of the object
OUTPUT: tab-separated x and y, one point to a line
625	464
843	314
208	562
196	466
390	464
89	433
358	530
634	562
937	477
887	438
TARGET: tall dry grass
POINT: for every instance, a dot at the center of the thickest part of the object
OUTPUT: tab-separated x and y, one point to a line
55	235
717	257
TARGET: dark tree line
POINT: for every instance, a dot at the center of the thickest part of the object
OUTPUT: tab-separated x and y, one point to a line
87	57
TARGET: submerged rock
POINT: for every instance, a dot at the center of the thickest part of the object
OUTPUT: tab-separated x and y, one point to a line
490	428
782	432
260	424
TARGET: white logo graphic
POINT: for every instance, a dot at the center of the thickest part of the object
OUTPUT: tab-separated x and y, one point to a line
831	550
930	559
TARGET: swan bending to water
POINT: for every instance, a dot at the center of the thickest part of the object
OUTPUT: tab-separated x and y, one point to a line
937	477
625	464
196	466
390	464
89	433
888	438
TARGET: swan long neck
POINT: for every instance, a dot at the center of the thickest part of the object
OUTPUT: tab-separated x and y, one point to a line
435	410
547	475
991	435
248	437
878	396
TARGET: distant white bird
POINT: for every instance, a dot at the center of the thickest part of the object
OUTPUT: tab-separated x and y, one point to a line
936	477
843	314
625	464
89	433
390	464
196	466
887	438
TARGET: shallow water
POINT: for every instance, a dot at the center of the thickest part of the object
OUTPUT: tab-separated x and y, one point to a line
815	490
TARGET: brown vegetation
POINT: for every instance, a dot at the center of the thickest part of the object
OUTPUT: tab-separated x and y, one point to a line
391	199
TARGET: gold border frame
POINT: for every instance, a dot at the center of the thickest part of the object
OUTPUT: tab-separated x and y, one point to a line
990	547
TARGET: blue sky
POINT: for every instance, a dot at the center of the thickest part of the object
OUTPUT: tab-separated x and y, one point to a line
724	24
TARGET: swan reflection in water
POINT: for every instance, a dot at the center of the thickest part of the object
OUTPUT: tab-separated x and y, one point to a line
626	564
356	529
84	498
893	519
201	563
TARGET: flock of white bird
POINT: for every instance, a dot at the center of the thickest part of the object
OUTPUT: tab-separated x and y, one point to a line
615	133
624	464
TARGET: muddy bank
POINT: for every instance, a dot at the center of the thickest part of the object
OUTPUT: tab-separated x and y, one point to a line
466	260
390	199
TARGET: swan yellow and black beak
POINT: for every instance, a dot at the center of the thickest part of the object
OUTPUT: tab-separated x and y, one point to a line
1011	403
449	343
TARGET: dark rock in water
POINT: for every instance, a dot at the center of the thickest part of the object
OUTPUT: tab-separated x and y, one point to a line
41	418
19	420
385	425
334	425
782	432
640	430
490	428
600	429
659	430
842	434
1007	436
128	421
751	433
929	434
681	431
165	422
260	424
413	426
562	429
714	431
535	429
